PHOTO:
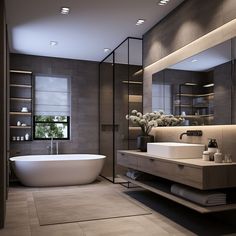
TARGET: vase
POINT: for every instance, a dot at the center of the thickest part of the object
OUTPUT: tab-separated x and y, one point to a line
142	141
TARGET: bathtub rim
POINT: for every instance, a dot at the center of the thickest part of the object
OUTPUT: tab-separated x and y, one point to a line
59	157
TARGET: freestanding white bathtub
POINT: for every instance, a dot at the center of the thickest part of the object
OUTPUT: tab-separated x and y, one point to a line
57	170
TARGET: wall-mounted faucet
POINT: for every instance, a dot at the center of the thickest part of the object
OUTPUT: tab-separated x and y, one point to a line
191	133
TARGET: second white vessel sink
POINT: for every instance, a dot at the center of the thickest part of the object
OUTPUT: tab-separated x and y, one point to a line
175	150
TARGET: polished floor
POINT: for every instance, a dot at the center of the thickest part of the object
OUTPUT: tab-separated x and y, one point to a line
167	218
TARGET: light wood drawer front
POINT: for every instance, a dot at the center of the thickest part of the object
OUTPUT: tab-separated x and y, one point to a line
179	173
127	160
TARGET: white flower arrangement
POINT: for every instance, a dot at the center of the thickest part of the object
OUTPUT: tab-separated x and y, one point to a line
153	119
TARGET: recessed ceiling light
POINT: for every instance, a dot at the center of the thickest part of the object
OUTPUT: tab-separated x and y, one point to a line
106	50
65	10
53	43
194	60
163	2
190	84
208	85
140	21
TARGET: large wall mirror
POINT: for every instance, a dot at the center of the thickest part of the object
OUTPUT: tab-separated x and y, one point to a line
200	88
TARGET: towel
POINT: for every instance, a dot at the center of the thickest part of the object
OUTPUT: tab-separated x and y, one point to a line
205	198
133	174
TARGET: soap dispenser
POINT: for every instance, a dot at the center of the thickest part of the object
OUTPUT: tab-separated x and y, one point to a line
212	148
218	158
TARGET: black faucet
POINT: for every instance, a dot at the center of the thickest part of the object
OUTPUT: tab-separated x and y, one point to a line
191	133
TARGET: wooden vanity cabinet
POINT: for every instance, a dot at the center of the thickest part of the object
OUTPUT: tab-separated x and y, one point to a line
195	173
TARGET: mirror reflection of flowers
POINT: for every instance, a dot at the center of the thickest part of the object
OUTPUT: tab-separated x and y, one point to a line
153	119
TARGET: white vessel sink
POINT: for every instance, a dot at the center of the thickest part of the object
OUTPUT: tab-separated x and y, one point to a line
174	150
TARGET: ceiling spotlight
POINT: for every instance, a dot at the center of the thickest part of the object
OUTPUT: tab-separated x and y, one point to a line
208	85
190	84
65	10
163	2
53	43
140	21
106	50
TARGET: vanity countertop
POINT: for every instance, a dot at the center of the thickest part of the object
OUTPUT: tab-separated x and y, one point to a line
188	162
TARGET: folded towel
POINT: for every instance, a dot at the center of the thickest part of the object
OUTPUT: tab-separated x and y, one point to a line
205	198
133	174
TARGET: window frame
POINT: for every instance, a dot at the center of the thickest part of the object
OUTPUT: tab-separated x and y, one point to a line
50	122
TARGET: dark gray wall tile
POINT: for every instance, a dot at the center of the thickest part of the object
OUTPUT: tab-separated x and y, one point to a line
84	102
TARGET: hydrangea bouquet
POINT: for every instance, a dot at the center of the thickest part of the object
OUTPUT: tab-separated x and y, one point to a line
154	119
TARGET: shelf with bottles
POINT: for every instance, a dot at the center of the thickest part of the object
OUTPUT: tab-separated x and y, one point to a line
20	127
21	138
21	105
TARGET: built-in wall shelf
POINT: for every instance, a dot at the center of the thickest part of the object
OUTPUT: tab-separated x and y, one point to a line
164	191
21	99
194	116
20	85
21	71
20	127
21	141
194	95
20	113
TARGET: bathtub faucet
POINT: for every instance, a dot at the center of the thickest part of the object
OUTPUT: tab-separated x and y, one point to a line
51	147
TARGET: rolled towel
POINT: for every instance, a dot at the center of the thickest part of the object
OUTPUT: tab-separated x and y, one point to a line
205	198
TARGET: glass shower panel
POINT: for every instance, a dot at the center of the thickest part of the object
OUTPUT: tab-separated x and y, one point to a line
135	89
120	92
106	116
121	73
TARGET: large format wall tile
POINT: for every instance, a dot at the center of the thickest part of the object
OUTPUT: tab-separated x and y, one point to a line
84	102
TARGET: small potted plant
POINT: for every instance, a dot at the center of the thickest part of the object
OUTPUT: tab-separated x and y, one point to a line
149	120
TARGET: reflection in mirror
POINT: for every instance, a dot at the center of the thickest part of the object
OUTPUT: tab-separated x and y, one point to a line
200	88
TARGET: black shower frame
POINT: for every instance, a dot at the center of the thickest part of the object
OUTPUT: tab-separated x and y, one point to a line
113	102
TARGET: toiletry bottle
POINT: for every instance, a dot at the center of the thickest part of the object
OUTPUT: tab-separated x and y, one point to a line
212	148
206	156
27	136
218	158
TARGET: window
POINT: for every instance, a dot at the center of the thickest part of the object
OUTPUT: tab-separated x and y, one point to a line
52	108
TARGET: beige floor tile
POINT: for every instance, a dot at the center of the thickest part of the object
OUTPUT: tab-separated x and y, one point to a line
125	226
20	231
16	217
72	229
22	218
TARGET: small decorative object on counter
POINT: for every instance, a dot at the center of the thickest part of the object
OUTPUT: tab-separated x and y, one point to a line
22	138
18	138
212	148
206	156
218	157
26	136
14	138
228	158
23	124
18	123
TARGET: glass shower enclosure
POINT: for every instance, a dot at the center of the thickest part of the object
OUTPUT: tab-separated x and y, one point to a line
121	90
